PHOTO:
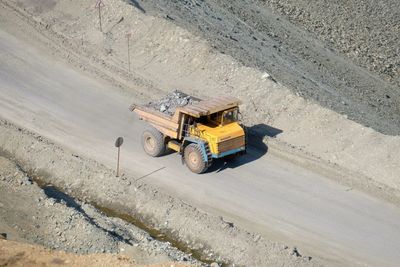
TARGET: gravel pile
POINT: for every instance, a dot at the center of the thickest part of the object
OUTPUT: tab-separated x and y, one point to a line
170	102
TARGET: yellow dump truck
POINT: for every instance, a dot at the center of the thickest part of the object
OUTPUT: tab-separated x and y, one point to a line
200	132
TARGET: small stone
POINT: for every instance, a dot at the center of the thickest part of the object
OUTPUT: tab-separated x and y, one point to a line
163	108
265	76
295	252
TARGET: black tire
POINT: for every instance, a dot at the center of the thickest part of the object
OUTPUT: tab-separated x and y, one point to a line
194	159
153	142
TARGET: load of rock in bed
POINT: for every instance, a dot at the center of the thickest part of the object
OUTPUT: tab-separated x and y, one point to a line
170	102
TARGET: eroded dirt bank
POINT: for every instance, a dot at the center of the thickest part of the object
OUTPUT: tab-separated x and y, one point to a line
219	241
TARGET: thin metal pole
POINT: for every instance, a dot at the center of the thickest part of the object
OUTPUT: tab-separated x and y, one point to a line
118	162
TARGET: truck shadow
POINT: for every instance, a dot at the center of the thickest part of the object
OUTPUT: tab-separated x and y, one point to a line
256	148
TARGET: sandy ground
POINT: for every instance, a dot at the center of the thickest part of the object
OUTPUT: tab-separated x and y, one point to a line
167	57
18	254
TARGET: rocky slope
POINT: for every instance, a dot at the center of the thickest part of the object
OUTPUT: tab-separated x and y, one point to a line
55	220
365	31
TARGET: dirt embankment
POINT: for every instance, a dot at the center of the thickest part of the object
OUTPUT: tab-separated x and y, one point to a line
165	57
219	241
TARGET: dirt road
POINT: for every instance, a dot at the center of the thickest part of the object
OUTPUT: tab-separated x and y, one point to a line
261	192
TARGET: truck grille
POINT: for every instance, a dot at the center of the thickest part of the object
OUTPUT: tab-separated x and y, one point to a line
231	144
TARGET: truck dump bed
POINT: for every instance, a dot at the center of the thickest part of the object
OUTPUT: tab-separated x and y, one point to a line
166	124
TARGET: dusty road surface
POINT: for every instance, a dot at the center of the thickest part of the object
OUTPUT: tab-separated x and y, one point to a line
261	192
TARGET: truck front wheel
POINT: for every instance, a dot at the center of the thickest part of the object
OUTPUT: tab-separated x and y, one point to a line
194	158
153	142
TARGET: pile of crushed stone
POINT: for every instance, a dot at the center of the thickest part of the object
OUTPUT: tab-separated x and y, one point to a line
170	102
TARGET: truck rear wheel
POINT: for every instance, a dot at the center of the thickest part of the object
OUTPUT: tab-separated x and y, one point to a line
194	159
153	142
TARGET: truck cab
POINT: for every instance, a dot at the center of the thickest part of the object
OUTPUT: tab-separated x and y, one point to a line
223	133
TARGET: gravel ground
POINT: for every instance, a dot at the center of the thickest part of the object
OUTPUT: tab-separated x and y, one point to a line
255	35
57	221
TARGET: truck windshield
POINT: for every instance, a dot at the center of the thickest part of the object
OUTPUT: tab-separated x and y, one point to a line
229	116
